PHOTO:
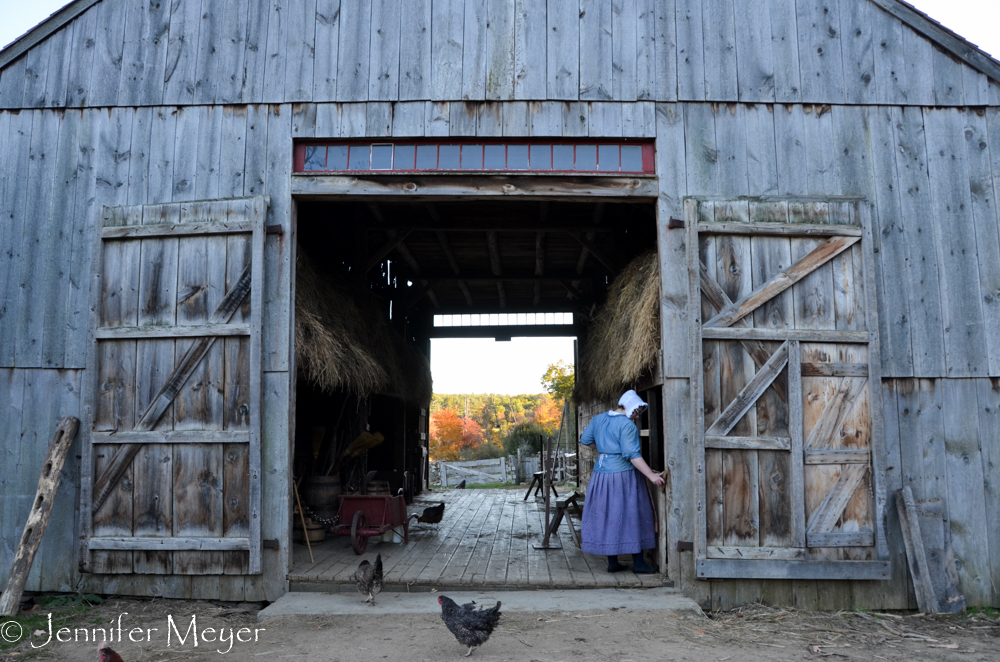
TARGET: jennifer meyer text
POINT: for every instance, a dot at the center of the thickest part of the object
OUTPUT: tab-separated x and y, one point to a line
179	632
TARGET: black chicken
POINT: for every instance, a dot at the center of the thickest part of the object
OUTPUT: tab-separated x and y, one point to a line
460	486
432	515
471	626
369	579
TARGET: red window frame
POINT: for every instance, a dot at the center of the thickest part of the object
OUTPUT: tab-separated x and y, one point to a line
647	156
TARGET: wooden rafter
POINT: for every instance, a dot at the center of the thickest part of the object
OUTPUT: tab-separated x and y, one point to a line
587	241
493	247
449	253
571	290
750	393
407	256
385	249
782	281
755	348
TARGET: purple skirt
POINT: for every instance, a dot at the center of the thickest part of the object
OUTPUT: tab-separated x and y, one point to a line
617	515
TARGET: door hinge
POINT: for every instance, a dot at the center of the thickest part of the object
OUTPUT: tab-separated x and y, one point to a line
685	546
675	224
274	229
270	543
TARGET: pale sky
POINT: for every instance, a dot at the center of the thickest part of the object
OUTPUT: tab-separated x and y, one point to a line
976	20
482	365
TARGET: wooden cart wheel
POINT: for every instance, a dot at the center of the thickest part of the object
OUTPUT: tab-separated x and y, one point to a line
359	541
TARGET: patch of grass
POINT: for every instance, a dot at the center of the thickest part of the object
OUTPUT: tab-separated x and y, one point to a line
67	611
979	610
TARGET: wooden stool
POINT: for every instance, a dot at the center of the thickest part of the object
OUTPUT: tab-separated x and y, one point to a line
537	479
561	506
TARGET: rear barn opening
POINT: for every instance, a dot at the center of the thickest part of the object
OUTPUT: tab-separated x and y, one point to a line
372	276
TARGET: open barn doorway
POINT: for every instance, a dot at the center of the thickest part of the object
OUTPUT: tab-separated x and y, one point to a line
377	282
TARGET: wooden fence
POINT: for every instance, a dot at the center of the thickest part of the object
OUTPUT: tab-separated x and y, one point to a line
476	471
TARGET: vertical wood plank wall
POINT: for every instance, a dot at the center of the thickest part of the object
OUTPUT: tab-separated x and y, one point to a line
120	157
113	112
287	51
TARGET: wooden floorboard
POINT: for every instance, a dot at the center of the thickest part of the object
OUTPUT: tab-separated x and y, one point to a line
486	539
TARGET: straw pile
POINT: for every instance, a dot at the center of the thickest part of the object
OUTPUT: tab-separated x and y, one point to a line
343	341
623	342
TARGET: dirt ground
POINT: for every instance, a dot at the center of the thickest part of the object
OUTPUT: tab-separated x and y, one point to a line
756	633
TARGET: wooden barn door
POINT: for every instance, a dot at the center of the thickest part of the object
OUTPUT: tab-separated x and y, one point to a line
171	469
786	390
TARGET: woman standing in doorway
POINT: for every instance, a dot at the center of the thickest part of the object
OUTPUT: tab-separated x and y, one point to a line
618	512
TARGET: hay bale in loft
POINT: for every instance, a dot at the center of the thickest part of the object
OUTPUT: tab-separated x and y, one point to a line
343	341
623	342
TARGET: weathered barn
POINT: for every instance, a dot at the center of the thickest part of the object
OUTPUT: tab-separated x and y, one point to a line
818	176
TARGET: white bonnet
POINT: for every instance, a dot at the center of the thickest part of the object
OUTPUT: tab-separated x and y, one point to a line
631	401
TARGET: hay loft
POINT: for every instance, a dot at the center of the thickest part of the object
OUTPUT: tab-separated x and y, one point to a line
623	341
343	341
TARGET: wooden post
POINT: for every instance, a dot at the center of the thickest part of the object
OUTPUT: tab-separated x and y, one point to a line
38	518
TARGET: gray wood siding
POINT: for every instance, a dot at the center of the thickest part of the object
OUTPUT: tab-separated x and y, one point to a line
59	170
283	51
915	165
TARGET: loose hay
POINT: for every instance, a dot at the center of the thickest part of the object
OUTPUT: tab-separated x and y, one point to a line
344	342
623	342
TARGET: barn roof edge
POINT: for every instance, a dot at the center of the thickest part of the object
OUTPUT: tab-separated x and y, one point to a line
923	24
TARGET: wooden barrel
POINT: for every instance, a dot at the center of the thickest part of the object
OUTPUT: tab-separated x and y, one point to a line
316	532
322	491
378	487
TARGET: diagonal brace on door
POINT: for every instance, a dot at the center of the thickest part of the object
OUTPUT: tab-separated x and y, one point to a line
755	348
782	281
184	368
750	393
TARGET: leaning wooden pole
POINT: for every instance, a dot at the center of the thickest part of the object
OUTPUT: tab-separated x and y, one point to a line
38	518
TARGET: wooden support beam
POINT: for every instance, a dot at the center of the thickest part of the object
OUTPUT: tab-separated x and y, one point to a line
465	292
449	253
442	238
587	242
385	249
572	290
539	253
424	289
501	295
494	250
537	298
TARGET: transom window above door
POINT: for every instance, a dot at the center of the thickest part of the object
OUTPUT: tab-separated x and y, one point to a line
590	157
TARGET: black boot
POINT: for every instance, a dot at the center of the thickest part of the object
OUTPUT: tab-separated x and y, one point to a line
614	565
640	567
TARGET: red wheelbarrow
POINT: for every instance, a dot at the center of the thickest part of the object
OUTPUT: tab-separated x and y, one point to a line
370	516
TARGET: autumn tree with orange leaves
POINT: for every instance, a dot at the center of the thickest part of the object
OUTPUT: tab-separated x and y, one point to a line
451	434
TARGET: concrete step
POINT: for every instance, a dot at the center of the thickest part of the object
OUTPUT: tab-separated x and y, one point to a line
339	604
321	586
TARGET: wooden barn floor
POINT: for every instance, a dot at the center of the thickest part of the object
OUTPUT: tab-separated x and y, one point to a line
486	539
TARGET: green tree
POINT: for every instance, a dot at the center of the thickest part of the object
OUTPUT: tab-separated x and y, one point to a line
524	435
559	380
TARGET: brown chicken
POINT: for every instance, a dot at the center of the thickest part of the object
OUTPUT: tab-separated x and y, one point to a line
105	654
369	579
432	515
471	626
